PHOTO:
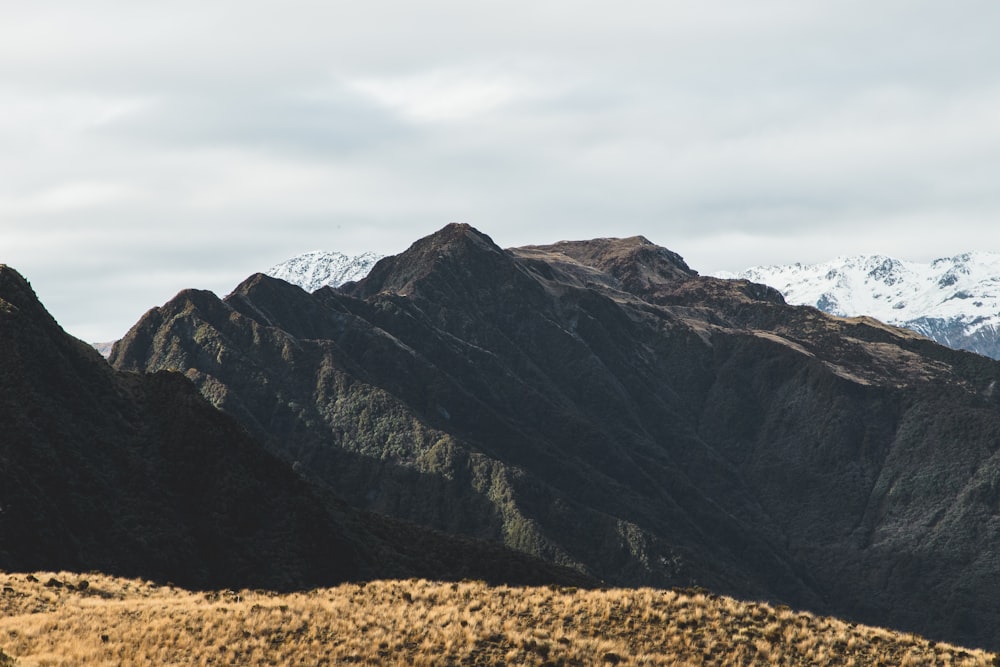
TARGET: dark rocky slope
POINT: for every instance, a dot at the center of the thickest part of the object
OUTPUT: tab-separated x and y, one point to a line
601	405
138	475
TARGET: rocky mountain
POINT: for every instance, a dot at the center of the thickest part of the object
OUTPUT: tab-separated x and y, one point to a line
310	271
320	268
600	404
138	475
952	300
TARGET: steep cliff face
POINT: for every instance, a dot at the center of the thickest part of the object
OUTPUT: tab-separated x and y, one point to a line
138	475
601	405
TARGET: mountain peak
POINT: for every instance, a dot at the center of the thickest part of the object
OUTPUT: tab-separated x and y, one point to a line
13	286
639	265
16	294
320	268
460	235
457	252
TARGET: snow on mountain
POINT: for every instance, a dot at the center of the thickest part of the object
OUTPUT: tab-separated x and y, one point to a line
104	348
313	270
953	300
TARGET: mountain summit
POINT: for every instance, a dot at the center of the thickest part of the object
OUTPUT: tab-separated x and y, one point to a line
601	405
952	300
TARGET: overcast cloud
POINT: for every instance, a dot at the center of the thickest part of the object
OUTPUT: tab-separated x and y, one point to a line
149	147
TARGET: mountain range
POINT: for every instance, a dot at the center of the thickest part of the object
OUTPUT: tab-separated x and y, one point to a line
602	406
952	300
138	475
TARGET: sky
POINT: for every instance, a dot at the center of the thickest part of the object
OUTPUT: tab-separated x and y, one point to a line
150	147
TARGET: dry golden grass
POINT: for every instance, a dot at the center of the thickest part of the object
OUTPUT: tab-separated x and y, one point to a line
68	619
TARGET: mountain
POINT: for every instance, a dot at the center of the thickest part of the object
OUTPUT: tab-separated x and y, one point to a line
319	268
103	348
600	404
138	475
310	271
953	300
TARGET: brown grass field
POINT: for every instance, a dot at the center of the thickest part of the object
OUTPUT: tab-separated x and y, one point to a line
49	619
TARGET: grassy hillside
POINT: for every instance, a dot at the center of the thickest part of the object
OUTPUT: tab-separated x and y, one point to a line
51	619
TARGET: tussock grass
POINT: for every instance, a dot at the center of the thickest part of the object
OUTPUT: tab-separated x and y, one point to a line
61	619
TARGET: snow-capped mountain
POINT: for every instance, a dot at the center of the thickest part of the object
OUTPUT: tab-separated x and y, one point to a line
953	300
319	268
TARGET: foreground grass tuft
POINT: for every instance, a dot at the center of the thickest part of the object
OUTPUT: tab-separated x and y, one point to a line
49	620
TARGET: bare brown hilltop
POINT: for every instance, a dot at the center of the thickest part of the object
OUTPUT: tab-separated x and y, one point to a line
602	406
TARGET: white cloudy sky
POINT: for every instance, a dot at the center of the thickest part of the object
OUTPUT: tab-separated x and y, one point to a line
147	147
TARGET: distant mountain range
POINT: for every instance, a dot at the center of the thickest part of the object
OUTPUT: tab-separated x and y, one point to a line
953	300
601	405
320	268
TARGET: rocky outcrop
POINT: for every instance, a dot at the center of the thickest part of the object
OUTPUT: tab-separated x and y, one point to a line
601	405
